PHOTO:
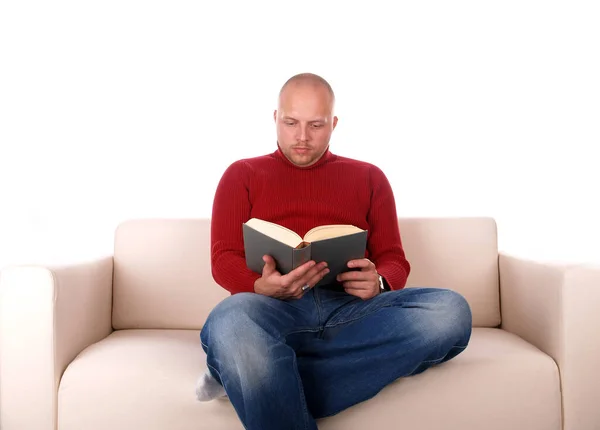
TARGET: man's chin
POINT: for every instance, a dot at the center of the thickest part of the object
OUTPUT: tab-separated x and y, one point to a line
303	161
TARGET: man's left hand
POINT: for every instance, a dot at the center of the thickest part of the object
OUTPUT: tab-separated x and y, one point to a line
363	283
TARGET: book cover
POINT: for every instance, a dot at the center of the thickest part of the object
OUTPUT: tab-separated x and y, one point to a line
289	250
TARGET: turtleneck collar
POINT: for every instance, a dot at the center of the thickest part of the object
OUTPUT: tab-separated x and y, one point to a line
327	156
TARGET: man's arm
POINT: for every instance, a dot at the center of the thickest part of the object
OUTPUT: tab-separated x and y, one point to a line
385	245
231	208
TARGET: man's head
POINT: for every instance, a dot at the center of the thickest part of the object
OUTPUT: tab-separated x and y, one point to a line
304	118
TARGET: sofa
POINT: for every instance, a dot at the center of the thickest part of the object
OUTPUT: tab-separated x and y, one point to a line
113	343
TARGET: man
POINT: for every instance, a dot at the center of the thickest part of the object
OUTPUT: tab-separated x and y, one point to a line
286	354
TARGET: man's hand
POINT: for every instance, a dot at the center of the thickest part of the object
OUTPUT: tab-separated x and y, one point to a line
363	283
274	284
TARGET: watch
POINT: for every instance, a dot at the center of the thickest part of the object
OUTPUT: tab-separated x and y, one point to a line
381	285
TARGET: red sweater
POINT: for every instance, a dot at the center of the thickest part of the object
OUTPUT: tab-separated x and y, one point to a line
334	190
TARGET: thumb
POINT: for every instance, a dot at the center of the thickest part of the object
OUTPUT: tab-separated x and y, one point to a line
269	266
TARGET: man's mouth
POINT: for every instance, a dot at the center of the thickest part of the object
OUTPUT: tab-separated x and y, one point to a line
301	149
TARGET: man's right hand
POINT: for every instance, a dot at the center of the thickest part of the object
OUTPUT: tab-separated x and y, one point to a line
289	286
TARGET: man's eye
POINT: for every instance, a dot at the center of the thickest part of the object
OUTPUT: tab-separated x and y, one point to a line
317	125
289	123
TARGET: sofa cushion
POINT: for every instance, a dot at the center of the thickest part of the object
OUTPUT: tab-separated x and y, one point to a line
146	379
456	253
162	272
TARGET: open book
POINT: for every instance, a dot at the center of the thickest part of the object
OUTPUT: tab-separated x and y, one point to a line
336	244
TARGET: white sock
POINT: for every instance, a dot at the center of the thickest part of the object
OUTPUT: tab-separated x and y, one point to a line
208	388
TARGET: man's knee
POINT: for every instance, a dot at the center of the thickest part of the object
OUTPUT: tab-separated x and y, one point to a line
231	318
233	337
442	315
450	317
240	303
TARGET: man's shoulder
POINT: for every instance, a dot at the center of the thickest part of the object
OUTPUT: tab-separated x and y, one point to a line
350	160
259	159
357	163
251	162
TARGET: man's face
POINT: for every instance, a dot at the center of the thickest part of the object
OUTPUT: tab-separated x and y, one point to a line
305	122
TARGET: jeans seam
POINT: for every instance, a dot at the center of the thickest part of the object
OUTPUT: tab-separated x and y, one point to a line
217	372
432	361
302	395
222	384
358	317
440	359
317	301
308	330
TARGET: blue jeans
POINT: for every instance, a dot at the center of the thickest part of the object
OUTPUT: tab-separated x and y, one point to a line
286	363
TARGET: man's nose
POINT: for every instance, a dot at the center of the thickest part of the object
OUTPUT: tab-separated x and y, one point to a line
303	133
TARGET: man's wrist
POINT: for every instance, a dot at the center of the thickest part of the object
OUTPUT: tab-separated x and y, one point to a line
256	284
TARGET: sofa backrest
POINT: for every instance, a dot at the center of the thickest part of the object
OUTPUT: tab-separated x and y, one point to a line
162	272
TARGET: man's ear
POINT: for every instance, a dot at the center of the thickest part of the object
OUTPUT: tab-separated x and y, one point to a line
335	118
275	115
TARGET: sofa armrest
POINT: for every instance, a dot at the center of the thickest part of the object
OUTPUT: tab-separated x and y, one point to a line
555	307
48	315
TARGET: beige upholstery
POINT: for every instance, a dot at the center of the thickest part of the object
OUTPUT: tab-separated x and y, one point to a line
125	331
460	254
163	365
162	275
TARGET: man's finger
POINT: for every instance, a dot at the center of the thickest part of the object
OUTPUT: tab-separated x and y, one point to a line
361	263
269	266
352	276
297	273
358	285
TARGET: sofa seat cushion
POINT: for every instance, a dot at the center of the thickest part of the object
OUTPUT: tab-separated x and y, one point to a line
146	379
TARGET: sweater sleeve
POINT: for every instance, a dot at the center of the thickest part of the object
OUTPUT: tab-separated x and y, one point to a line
231	208
385	245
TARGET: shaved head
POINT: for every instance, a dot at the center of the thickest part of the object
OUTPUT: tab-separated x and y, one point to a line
304	118
309	79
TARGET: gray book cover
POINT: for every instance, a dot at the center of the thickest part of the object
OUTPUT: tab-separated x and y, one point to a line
336	252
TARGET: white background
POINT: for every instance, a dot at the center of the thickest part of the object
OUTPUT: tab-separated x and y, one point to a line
121	109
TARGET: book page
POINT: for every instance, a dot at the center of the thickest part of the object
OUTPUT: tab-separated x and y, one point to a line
276	231
330	231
